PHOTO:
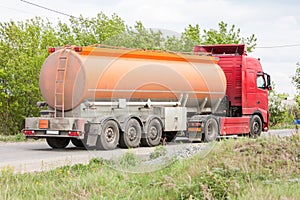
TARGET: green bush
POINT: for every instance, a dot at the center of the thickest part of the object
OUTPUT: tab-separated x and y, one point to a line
158	152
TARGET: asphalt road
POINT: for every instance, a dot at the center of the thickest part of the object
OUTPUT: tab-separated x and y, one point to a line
38	156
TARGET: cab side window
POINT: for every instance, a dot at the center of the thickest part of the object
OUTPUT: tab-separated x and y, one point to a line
260	82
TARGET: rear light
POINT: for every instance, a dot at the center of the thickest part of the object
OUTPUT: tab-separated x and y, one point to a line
51	49
78	49
74	133
28	132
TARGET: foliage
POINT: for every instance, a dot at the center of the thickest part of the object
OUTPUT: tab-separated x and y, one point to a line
225	35
158	152
265	168
129	160
19	137
87	31
23	47
280	113
137	37
296	77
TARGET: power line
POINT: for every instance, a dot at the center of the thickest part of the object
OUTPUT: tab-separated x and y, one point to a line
49	9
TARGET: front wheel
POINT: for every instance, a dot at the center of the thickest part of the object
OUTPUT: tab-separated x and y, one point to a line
256	126
58	143
109	137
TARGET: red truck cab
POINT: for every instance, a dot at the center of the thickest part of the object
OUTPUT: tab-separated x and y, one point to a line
247	90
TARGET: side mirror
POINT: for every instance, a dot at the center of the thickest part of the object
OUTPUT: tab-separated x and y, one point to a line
269	86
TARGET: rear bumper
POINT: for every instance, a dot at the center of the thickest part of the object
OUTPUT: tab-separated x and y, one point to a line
37	127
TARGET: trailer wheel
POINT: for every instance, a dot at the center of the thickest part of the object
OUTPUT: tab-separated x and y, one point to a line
153	135
131	137
77	142
211	130
109	137
58	143
256	126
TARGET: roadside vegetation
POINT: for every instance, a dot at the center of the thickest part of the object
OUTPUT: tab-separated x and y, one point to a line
20	137
264	168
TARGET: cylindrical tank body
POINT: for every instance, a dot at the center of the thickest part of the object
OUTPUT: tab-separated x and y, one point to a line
101	74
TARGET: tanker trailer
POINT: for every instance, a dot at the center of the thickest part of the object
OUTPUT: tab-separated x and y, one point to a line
104	97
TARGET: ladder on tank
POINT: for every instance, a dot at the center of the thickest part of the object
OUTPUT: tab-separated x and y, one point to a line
59	98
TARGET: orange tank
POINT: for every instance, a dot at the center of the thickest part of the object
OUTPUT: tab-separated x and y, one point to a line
106	74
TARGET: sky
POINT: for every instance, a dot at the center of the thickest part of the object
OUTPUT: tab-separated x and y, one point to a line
275	23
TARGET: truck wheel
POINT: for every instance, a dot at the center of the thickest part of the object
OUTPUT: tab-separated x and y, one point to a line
211	130
131	137
255	126
109	137
77	142
153	135
58	143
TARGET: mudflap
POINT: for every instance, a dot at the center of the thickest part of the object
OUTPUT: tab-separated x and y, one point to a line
93	133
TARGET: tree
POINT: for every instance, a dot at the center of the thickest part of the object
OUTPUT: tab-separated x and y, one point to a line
23	46
223	35
137	37
87	31
228	36
296	77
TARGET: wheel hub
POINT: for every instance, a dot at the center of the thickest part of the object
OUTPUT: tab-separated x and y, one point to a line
153	132
132	133
109	134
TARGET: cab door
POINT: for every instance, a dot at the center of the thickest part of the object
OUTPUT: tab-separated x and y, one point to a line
262	92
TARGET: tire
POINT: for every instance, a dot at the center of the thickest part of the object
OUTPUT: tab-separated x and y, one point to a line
77	142
58	143
154	133
255	126
131	137
109	137
211	130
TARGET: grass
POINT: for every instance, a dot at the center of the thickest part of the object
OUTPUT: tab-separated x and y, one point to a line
19	137
265	168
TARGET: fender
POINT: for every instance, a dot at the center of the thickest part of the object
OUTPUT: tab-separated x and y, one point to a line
123	119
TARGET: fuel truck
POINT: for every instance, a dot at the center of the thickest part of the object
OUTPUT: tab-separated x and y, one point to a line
104	97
